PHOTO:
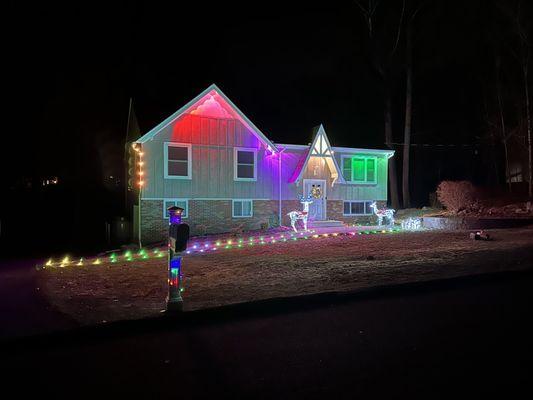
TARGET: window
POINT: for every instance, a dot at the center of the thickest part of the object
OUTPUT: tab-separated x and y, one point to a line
183	203
245	167
347	168
359	169
357	208
177	161
242	208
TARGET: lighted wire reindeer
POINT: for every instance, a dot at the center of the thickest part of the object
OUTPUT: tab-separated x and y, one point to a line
303	215
383	212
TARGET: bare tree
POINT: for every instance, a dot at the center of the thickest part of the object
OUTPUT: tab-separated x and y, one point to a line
368	11
525	51
408	114
521	48
382	65
504	137
408	102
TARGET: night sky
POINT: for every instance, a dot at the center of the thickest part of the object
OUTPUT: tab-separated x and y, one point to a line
288	66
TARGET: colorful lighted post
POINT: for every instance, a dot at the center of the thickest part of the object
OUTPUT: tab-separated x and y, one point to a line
178	234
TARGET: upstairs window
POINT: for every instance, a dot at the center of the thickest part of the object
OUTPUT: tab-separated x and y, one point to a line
359	169
177	161
245	166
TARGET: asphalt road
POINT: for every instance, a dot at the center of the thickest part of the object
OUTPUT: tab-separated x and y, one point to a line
23	311
463	337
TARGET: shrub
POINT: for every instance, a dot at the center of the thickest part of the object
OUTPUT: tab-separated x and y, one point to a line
456	195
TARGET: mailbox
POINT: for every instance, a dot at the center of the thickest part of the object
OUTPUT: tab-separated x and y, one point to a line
174	215
178	235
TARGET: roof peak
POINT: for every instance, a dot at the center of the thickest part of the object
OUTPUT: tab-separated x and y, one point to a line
186	108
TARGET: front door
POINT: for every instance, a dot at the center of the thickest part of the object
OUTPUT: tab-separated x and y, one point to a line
317	189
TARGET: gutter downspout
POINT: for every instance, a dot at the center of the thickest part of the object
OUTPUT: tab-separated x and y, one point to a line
279	186
139	218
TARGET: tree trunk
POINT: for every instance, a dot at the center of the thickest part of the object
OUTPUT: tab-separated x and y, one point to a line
504	136
528	117
393	178
408	116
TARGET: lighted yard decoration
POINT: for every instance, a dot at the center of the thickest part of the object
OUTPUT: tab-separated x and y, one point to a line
301	215
199	248
383	213
411	224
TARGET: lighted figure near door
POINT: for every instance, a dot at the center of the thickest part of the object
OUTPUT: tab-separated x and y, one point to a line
383	212
303	215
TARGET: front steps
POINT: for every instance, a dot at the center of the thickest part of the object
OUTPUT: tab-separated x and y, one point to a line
326	224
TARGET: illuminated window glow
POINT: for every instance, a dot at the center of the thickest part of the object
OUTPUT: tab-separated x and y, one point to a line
359	169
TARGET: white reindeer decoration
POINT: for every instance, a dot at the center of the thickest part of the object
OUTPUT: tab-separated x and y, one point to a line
296	215
383	212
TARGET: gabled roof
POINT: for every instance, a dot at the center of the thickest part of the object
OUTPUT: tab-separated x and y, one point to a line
205	97
299	167
337	149
320	147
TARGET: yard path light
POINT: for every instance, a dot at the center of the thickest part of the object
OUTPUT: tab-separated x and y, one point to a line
178	235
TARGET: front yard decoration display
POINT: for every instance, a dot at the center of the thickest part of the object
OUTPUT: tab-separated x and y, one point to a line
207	247
411	224
383	213
303	215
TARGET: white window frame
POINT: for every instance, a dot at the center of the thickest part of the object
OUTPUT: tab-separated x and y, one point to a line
165	213
242	216
365	182
355	201
235	159
189	159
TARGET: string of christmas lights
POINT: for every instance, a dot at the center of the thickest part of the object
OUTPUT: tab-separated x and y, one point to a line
197	247
140	164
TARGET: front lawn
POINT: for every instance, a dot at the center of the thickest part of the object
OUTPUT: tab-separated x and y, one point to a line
123	290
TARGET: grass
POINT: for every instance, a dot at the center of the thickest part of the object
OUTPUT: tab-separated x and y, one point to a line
123	290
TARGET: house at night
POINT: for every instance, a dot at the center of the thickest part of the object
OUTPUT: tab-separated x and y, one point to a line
212	161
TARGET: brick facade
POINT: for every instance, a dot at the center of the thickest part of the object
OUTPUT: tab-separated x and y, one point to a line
335	212
215	216
153	227
206	217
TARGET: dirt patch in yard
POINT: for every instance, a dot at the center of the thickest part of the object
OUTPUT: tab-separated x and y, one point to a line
107	292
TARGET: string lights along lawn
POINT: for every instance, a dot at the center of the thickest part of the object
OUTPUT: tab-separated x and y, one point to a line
206	247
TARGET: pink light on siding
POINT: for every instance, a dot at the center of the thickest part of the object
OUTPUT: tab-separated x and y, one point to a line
212	106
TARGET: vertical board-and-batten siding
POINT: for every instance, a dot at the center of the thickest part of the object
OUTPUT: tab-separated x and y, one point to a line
213	141
339	191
